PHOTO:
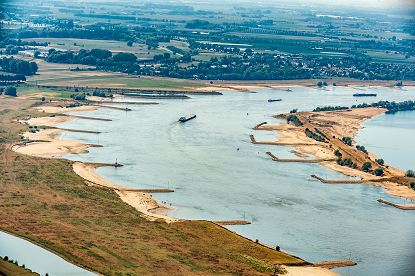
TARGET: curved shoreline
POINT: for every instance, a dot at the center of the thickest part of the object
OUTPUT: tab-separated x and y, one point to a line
143	202
54	147
348	125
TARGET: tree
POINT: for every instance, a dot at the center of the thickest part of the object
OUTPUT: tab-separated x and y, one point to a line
412	185
366	166
337	153
378	171
410	173
43	99
11	91
380	161
34	67
319	83
347	140
37	54
129	43
325	83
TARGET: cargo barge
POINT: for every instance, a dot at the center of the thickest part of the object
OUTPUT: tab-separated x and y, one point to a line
187	118
364	95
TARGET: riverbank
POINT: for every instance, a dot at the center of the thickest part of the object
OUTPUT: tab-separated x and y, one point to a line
335	125
140	201
52	146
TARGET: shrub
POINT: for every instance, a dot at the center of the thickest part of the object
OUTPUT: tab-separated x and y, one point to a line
277	248
257	241
11	91
378	171
366	166
380	161
361	148
6	258
412	186
347	140
410	173
294	110
294	119
337	153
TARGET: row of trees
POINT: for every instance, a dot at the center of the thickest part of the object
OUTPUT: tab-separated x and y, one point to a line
314	136
12	78
102	58
18	66
391	106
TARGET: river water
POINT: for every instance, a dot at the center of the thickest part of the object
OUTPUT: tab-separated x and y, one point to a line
36	258
212	180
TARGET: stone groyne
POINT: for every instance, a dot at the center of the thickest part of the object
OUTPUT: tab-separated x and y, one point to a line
295	160
334	264
403	207
231	222
257	126
350	181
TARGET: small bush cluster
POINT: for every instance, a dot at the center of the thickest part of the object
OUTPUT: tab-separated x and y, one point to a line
366	166
321	133
362	148
346	162
410	173
380	161
294	119
314	136
73	105
347	140
337	153
78	97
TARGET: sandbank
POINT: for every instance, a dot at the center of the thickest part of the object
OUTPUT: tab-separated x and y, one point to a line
308	271
54	147
143	202
339	123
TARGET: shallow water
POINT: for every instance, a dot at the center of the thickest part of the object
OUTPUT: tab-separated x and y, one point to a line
213	180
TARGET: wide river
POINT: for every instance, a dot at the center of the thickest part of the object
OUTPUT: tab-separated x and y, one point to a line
212	180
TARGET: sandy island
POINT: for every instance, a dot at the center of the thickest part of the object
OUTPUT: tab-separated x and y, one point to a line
339	123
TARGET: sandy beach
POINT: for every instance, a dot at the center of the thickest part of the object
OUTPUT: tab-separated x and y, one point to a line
308	271
340	123
52	146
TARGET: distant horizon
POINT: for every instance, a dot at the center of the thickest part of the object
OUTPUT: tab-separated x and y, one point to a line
362	3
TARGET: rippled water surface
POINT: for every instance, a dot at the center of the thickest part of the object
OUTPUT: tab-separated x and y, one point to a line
213	180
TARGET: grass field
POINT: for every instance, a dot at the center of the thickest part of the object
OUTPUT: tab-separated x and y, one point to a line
11	269
44	201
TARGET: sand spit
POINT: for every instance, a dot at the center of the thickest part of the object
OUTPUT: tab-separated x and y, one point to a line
52	146
339	123
143	202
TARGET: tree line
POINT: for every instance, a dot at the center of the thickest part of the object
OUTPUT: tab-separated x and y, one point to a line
18	66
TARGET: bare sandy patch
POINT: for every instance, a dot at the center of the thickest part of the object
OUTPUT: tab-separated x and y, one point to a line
64	110
52	148
340	123
308	271
143	202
